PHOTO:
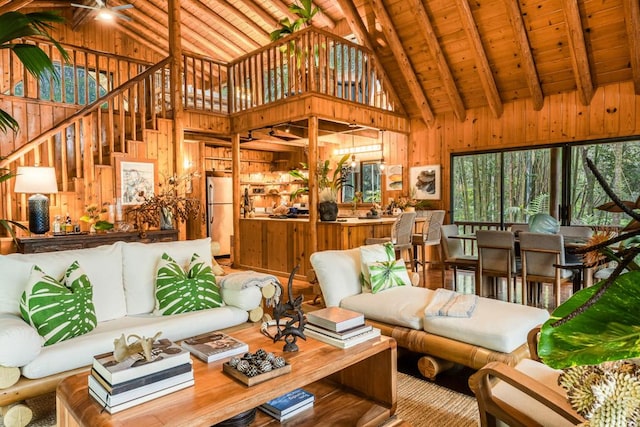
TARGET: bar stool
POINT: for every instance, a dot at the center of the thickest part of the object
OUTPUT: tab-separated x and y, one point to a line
430	236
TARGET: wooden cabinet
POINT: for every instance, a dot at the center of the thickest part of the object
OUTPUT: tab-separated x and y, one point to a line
34	244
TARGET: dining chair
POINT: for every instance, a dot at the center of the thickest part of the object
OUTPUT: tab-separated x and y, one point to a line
496	259
581	233
542	260
429	236
401	233
453	253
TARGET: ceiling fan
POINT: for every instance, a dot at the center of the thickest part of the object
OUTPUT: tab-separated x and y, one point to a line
105	12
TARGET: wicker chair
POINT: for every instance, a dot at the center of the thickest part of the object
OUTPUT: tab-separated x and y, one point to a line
401	233
430	236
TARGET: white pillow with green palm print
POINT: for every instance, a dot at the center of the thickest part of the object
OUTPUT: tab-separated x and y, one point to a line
388	274
370	254
59	309
178	291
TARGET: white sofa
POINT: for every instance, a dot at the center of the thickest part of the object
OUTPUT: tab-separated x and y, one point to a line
123	280
497	330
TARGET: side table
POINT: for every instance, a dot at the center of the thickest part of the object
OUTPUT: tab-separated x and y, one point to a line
35	244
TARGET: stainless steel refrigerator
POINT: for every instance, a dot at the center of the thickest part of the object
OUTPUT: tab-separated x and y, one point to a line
220	212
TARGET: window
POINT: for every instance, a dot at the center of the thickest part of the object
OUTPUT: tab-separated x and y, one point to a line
365	179
51	89
508	187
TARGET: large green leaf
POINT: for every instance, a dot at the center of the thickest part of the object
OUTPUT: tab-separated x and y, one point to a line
387	275
178	291
59	310
608	330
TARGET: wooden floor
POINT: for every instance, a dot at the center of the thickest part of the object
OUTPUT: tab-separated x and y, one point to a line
466	285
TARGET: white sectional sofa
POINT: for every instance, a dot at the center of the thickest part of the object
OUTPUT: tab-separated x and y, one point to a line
123	279
496	331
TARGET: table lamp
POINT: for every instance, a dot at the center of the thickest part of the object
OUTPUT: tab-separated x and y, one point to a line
37	180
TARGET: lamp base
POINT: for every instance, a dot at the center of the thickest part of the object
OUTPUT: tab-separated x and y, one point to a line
38	214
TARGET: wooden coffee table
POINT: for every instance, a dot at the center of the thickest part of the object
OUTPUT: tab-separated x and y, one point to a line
356	386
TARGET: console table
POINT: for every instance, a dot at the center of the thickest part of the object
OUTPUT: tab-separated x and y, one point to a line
352	387
34	244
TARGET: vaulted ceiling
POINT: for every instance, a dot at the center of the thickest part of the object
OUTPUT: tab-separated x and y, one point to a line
441	56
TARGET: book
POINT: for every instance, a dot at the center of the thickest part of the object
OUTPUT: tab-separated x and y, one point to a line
335	319
166	354
213	346
289	402
346	343
142	381
131	403
288	414
339	335
118	399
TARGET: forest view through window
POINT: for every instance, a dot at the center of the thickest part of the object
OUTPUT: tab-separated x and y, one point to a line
508	187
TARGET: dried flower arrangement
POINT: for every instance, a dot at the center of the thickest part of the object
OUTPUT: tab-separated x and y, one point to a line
170	204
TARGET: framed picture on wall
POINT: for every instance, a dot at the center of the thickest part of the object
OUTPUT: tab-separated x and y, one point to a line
394	177
135	180
425	180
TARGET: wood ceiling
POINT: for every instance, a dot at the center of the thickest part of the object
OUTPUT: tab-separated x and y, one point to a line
441	56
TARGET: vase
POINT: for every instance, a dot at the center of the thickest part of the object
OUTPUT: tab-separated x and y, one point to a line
328	211
166	219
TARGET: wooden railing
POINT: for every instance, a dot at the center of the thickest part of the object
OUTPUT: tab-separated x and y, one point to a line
205	84
87	76
308	61
97	130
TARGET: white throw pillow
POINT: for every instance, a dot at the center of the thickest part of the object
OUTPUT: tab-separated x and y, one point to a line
19	342
338	273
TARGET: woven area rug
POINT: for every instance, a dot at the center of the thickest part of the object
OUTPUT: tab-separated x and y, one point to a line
424	404
420	403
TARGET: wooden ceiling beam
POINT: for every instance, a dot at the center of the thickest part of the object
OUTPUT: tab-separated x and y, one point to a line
480	57
325	20
522	43
579	55
201	44
358	28
268	20
632	21
401	57
283	9
14	5
246	21
198	12
426	29
139	39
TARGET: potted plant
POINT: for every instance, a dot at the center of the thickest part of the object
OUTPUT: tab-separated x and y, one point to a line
329	186
14	25
166	207
592	334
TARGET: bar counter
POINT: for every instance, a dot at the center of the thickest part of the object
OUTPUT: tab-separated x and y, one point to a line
277	245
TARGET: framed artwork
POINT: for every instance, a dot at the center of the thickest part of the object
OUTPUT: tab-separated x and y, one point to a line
426	182
394	177
135	180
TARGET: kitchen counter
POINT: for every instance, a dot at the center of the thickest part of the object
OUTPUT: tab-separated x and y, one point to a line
277	245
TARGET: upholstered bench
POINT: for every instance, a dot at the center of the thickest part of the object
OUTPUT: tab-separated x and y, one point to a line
496	331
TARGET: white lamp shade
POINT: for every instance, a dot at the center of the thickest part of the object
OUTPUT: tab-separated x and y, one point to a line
34	179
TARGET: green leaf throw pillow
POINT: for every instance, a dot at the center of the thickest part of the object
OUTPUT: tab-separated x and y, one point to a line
59	309
178	291
370	254
387	275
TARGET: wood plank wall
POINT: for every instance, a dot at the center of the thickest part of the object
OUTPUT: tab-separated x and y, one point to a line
614	112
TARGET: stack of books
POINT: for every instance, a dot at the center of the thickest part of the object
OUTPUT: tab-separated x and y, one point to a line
288	405
339	327
120	385
213	346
